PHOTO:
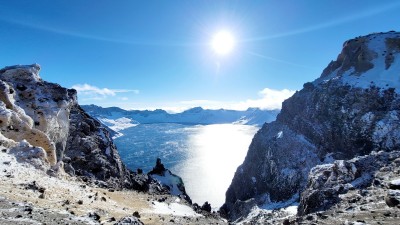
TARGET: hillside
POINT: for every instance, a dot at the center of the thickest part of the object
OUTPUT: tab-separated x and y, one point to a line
351	111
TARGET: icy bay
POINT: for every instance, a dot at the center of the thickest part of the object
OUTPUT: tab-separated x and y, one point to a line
205	156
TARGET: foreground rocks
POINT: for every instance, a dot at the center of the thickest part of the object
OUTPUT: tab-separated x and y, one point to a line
30	196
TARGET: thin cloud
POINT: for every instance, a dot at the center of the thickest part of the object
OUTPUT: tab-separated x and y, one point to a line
199	102
75	34
269	99
279	60
95	93
337	21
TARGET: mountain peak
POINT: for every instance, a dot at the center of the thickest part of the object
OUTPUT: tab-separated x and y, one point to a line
367	61
194	110
32	72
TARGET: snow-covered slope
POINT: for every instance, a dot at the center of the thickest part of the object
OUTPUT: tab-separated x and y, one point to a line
351	110
119	119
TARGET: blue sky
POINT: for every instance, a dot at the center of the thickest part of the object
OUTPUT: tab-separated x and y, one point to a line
157	54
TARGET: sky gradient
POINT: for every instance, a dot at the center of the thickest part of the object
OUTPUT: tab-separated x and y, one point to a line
157	54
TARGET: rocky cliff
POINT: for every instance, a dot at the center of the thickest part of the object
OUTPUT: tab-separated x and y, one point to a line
35	110
350	111
43	124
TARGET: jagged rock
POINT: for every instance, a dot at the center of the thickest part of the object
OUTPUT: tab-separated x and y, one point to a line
392	198
34	110
94	216
395	184
206	207
90	151
351	110
159	169
130	220
327	182
168	180
136	214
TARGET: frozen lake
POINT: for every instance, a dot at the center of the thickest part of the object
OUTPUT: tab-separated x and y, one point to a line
205	156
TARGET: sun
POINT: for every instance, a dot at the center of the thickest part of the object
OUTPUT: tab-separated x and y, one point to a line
223	42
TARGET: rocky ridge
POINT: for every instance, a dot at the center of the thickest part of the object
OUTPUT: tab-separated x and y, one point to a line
352	110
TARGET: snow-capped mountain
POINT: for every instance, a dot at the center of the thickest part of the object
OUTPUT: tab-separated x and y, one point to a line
353	109
118	119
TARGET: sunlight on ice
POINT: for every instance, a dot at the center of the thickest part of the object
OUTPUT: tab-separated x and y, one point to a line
216	151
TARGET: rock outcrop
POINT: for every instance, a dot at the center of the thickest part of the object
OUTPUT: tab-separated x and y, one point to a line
327	182
91	153
42	123
170	181
351	110
35	110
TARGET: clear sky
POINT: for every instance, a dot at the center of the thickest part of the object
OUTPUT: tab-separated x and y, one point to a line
158	54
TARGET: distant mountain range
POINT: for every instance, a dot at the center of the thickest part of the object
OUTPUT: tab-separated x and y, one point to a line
118	119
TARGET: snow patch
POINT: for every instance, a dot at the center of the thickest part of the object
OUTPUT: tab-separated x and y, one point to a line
378	76
118	124
395	182
268	205
283	209
279	135
170	181
174	209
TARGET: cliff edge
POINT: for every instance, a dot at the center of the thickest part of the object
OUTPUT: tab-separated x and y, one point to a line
350	111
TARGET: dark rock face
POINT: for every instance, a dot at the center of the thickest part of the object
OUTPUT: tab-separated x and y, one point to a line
350	111
90	152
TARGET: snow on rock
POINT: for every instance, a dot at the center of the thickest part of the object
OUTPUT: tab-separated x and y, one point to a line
35	110
351	110
395	184
327	182
118	124
174	208
279	135
167	179
24	152
270	211
129	220
171	181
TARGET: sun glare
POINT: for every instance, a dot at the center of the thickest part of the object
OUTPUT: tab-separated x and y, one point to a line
223	42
